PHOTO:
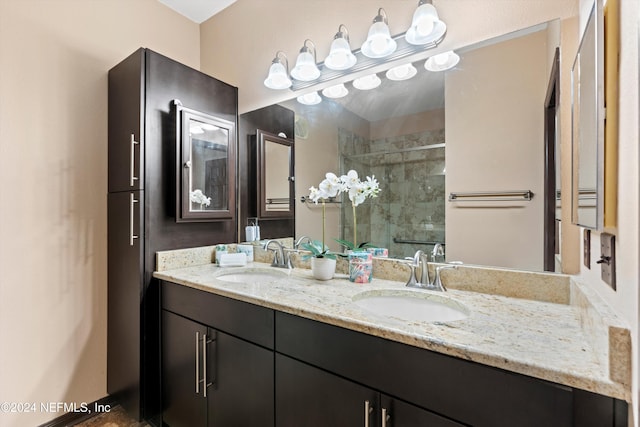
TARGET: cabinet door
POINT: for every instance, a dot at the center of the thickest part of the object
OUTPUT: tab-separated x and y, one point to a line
126	113
241	377
307	396
396	413
125	279
183	394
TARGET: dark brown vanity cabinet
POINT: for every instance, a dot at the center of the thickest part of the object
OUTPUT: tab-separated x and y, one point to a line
272	368
419	387
213	371
142	211
308	396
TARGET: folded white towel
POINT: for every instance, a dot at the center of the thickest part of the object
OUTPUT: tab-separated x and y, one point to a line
232	260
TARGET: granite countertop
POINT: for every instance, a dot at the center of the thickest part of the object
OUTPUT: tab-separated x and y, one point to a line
546	340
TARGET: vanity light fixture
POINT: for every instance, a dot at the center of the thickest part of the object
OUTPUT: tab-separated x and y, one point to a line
442	61
426	32
337	91
379	42
340	56
401	72
306	69
311	98
278	77
426	26
371	81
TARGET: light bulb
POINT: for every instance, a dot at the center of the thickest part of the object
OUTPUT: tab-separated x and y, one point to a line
309	98
337	91
425	26
277	78
402	72
378	44
441	58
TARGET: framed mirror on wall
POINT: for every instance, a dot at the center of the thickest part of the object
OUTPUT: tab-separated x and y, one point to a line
275	175
588	125
205	166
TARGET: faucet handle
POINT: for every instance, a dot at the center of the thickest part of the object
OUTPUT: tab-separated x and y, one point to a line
413	280
437	281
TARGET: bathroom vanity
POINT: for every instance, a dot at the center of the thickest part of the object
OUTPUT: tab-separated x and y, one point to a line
292	351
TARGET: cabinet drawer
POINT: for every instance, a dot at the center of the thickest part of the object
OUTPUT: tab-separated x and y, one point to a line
247	321
465	391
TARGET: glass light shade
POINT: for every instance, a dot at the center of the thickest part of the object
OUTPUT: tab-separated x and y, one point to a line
402	72
340	56
367	82
337	91
426	27
309	98
442	61
306	69
277	78
379	42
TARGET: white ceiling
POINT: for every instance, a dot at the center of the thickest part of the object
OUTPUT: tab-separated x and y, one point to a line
197	10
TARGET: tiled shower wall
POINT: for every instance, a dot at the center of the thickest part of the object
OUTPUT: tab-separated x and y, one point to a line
412	199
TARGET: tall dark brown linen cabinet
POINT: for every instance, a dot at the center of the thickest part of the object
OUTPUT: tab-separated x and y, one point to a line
142	210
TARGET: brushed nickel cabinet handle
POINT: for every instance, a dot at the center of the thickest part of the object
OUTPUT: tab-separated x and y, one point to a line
205	362
132	177
368	409
132	202
197	362
385	417
204	365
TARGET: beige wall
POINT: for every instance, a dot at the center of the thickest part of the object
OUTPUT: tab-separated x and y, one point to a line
54	58
497	146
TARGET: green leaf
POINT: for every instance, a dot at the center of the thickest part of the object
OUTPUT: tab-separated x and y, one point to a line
347	244
317	250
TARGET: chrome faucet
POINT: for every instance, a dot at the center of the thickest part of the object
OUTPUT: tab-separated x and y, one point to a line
297	244
438	250
280	258
419	260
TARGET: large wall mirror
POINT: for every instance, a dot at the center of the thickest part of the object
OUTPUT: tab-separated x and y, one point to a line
587	77
275	161
205	169
476	128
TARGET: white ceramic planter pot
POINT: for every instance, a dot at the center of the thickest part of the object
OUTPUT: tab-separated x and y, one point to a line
323	268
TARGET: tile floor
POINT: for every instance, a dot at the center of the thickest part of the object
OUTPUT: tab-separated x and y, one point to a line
117	417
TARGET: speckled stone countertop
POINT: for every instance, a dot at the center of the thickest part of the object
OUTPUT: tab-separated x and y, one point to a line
559	341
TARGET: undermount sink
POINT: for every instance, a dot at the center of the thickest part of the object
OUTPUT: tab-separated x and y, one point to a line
252	276
411	305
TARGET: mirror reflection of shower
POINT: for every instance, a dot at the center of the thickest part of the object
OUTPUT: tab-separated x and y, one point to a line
409	213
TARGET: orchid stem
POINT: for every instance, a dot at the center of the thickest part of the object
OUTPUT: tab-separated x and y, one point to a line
355	227
323	217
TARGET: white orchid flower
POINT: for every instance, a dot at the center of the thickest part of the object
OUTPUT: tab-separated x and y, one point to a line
314	194
372	188
330	187
350	179
357	194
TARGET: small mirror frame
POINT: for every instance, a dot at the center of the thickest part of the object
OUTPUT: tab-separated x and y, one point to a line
264	137
183	150
595	23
